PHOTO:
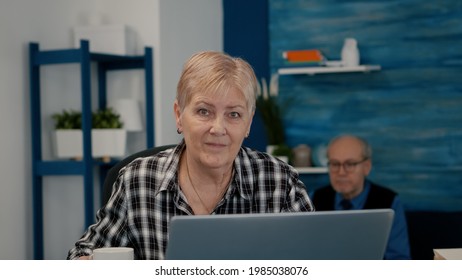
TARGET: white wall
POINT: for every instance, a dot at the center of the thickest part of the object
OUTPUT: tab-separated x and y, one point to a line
186	28
175	28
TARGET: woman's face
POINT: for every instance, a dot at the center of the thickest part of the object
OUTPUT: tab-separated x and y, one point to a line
214	127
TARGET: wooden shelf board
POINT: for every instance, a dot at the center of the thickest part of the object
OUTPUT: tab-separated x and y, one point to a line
327	69
311	170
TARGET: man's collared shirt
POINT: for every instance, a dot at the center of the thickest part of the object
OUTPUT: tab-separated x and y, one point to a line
398	241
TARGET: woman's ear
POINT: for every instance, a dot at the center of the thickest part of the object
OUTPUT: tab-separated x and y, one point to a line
250	124
177	113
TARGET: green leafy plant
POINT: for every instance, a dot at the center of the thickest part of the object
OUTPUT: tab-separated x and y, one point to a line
68	120
271	110
104	118
267	105
283	150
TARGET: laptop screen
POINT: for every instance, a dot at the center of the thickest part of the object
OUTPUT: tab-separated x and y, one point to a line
323	235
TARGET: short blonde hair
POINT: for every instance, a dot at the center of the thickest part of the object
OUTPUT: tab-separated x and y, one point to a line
212	72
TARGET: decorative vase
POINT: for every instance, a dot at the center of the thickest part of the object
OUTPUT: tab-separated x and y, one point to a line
302	156
319	155
350	52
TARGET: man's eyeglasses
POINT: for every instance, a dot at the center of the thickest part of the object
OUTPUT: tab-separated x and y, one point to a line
348	166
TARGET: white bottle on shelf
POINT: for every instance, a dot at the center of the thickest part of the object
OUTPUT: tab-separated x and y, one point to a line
350	53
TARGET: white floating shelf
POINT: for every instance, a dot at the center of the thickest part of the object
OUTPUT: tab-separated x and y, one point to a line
327	69
311	170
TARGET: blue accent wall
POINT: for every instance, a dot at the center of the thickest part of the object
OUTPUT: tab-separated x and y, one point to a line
410	111
246	36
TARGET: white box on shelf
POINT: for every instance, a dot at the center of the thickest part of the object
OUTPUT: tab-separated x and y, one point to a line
115	39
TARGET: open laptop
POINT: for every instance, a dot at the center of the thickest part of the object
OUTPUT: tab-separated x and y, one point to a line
323	235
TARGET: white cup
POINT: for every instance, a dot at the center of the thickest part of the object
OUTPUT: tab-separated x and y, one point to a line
113	253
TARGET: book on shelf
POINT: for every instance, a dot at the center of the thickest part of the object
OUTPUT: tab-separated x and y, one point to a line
303	56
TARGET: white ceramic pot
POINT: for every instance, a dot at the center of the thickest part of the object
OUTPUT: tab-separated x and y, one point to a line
270	149
105	143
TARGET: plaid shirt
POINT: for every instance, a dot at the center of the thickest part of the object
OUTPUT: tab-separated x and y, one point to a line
146	196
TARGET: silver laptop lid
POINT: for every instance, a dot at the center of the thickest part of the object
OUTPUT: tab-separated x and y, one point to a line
323	235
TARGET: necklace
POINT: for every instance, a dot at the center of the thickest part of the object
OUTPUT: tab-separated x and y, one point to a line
195	190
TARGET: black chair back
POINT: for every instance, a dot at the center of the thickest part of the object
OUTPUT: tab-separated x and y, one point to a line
112	174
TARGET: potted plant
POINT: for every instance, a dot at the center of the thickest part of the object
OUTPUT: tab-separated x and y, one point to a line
270	111
283	152
107	136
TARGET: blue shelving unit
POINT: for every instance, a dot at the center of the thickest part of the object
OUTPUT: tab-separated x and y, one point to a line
40	167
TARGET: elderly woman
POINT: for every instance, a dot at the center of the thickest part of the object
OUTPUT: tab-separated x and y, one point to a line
209	172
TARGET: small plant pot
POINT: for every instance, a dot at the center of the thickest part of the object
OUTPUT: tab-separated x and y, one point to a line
106	143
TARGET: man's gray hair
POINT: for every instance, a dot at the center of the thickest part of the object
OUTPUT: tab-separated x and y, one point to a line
366	148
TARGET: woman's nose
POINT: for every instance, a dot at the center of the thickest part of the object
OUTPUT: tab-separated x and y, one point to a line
218	126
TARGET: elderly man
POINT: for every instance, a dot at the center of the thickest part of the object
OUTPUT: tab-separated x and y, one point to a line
350	161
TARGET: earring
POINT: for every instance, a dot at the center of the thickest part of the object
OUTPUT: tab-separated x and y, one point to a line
178	131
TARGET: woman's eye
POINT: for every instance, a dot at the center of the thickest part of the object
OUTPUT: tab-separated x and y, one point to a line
235	115
203	112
